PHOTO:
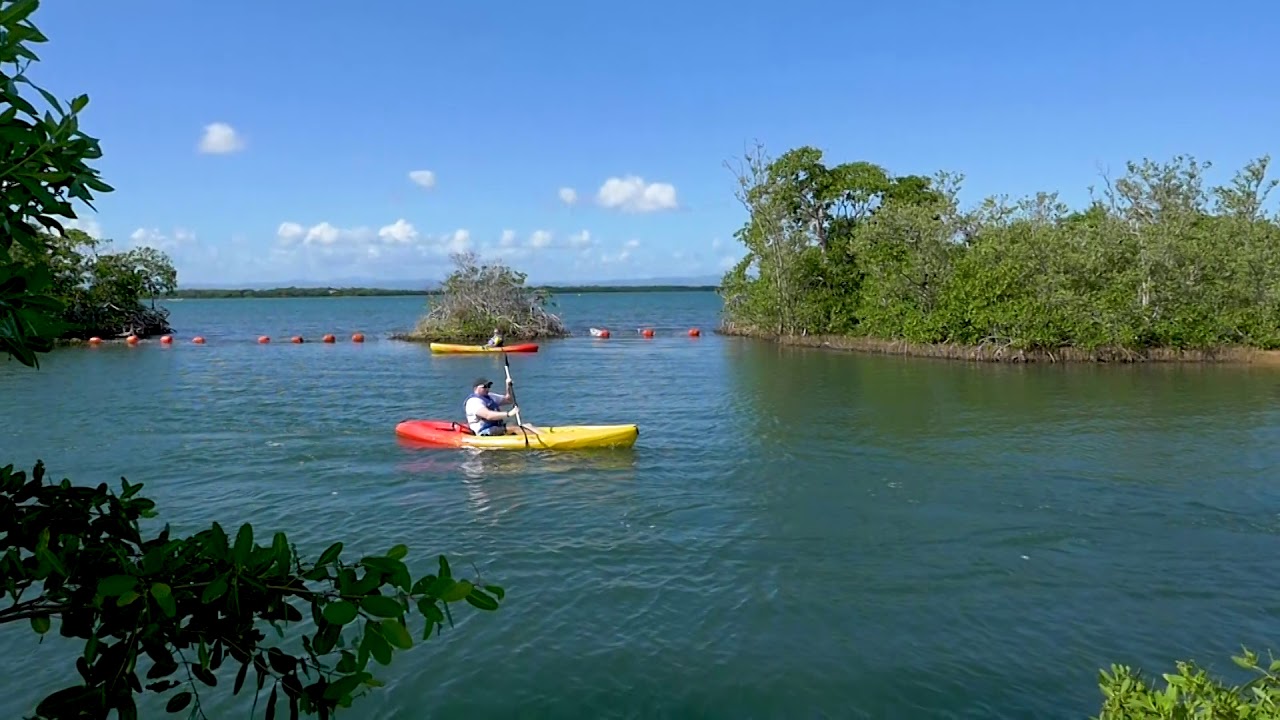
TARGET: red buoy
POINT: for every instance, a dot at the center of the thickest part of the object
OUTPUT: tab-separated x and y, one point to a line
166	339
132	339
263	340
358	337
295	339
648	332
329	338
694	332
95	340
198	340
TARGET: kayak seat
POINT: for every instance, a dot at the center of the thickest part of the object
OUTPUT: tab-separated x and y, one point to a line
462	427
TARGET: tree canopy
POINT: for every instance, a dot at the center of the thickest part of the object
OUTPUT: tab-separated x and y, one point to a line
99	293
478	297
161	615
1157	261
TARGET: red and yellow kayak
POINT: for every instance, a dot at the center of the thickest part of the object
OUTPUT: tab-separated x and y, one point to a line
452	434
453	348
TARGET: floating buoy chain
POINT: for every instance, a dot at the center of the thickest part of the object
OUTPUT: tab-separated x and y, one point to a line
648	331
199	339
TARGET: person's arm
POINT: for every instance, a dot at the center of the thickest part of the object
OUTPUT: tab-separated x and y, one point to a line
500	398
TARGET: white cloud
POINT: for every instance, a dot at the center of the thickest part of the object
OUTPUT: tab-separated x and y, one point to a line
458	241
717	243
219	139
580	239
425	178
633	194
508	239
179	239
290	231
632	244
616	258
540	239
568	195
323	233
401	231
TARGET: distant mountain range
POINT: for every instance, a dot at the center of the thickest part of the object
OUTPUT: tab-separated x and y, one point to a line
393	284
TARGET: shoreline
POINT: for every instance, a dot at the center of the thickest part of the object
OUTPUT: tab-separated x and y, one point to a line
992	353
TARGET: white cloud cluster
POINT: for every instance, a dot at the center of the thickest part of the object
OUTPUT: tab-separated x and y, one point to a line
400	232
178	240
322	234
220	139
633	195
509	243
568	195
423	178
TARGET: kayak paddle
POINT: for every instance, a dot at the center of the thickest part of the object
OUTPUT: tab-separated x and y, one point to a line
506	365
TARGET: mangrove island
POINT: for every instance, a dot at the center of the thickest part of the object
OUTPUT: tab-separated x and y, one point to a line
1158	267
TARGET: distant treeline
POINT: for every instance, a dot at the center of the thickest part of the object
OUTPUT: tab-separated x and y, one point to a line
298	292
290	292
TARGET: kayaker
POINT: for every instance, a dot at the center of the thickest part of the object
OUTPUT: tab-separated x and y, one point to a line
483	413
495	340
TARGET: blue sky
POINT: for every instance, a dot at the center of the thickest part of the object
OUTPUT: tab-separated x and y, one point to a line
331	106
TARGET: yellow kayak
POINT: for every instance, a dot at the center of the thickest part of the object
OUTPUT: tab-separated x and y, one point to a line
447	433
454	348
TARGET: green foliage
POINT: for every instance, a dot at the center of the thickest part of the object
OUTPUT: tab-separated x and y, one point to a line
43	168
1153	263
52	284
163	614
1191	693
98	292
478	297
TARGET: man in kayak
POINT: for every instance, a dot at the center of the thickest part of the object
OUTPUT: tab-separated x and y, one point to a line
483	413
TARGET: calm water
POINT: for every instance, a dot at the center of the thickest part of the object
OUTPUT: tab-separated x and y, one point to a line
796	532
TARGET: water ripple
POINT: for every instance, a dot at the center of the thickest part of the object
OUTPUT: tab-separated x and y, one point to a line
795	533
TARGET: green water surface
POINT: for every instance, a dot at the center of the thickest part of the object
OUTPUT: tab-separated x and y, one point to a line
797	533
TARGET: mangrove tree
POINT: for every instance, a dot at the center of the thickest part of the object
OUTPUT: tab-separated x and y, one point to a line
477	298
1157	261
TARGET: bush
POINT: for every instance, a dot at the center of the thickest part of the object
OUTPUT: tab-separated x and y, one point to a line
476	298
1191	693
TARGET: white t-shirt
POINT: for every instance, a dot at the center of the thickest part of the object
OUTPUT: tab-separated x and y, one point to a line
474	404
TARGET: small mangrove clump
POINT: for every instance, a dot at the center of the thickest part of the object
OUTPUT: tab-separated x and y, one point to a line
478	297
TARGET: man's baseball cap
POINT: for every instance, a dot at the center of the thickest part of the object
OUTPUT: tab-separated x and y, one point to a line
482	381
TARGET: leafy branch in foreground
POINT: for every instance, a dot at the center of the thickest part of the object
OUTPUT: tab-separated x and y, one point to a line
1191	693
43	167
182	607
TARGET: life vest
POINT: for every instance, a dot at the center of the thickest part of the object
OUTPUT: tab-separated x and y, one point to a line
492	405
